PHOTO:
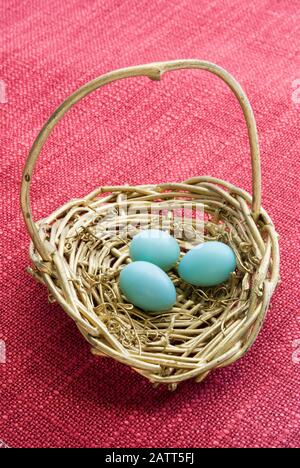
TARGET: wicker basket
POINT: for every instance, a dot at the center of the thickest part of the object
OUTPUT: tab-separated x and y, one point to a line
207	328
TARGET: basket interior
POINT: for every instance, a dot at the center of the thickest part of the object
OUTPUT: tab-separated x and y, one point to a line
91	237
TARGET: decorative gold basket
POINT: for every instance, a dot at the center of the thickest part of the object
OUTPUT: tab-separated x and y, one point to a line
207	328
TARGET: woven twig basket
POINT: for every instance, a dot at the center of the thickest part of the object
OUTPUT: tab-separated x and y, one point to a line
207	328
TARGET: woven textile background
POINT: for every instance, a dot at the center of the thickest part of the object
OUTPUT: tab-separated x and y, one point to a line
53	391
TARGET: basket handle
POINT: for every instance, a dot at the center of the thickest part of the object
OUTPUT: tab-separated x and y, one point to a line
153	71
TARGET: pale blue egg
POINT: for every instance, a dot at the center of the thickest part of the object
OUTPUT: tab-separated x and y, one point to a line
147	286
208	264
155	246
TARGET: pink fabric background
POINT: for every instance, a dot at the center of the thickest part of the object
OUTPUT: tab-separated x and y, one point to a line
53	391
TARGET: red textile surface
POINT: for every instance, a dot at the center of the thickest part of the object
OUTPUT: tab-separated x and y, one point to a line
53	391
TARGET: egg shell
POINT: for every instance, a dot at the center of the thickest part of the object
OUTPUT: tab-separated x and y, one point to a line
147	286
155	246
207	264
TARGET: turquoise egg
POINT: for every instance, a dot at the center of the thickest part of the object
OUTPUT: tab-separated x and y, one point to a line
155	246
208	264
147	286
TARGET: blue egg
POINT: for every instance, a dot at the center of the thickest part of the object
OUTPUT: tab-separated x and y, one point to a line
147	286
208	264
156	247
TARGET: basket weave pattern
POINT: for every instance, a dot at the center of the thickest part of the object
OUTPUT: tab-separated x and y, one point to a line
79	261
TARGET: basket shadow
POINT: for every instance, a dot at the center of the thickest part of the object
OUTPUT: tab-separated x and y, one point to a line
102	380
66	360
95	380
